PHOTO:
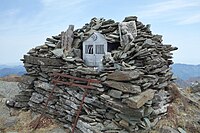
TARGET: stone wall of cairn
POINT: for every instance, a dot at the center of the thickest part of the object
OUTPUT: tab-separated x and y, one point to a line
132	94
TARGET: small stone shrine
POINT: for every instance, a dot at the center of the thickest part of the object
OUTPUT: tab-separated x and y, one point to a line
131	63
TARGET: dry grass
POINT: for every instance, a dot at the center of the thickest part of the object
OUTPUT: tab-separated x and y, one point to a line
26	119
11	78
182	112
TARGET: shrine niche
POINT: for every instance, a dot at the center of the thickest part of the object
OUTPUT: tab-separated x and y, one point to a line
94	48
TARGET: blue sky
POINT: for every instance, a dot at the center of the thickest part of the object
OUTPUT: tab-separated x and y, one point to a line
27	23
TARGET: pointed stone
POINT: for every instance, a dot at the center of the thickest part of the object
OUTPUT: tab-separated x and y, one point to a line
58	52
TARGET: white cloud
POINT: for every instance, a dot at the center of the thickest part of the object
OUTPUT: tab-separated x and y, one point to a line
54	10
61	3
8	19
9	13
167	8
195	18
52	14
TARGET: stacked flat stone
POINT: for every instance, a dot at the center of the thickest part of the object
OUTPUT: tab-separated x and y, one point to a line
131	96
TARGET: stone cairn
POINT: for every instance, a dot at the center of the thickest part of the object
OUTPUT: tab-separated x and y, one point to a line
132	95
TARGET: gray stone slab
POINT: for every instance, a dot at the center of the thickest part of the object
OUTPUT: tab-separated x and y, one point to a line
115	93
123	75
139	100
37	98
42	61
124	87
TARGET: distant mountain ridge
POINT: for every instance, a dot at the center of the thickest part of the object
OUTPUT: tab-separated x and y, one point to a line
185	71
6	70
182	83
193	79
186	74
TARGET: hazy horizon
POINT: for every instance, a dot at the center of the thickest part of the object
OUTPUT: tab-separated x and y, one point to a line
21	63
27	24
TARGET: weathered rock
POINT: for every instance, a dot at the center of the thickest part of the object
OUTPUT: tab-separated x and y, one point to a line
57	130
37	98
181	130
124	87
195	88
21	105
161	110
123	76
167	129
123	123
130	18
58	52
21	98
131	120
134	113
27	79
84	127
111	126
10	103
69	59
52	40
9	122
42	61
139	100
51	45
115	93
47	87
